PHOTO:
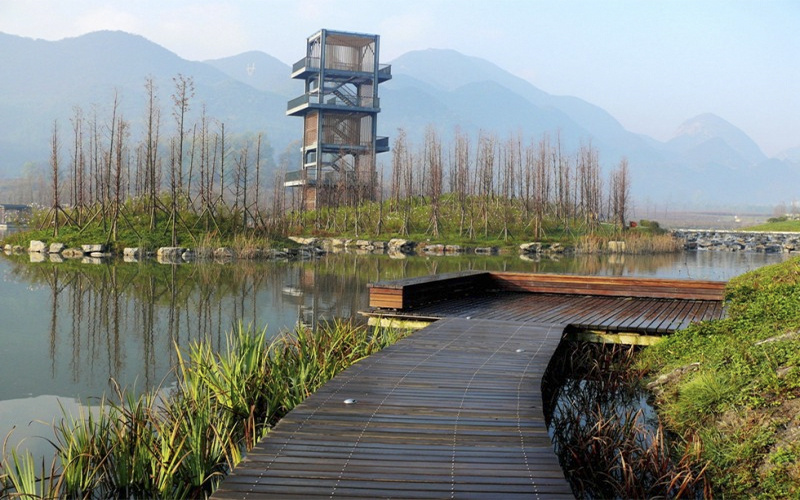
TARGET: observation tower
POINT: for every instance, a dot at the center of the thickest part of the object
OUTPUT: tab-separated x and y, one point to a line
339	108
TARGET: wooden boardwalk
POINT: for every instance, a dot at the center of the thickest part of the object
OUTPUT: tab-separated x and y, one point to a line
602	314
455	410
600	304
452	412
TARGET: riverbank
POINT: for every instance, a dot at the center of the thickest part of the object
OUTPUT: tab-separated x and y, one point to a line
730	388
300	247
739	240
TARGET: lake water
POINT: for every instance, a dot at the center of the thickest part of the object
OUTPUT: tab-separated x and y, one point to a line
67	329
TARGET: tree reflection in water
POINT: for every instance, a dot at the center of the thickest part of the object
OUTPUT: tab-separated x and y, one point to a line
68	328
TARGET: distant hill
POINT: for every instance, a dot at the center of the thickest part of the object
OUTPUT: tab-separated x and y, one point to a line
708	138
708	162
43	81
261	71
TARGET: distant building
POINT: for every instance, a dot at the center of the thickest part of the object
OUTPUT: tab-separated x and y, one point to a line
339	108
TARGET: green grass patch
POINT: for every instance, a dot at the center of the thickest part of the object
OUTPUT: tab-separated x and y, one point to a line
775	225
741	401
475	222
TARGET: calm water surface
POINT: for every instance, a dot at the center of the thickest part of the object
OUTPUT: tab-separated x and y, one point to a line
67	329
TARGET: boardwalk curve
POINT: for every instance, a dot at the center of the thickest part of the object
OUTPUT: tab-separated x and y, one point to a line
456	409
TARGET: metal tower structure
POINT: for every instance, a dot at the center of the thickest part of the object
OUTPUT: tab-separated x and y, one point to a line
340	106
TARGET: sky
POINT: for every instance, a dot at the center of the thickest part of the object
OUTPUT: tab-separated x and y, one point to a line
652	64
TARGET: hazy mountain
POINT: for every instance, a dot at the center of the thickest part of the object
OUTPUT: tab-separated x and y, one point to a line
449	70
44	81
709	138
709	161
791	155
261	71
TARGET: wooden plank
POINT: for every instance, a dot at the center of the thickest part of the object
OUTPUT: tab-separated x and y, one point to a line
610	285
422	280
414	292
601	309
686	309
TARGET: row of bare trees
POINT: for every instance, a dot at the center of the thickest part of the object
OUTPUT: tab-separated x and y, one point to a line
117	167
193	168
489	178
485	187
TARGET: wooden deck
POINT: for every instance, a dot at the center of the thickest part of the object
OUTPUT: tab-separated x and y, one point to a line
455	410
591	303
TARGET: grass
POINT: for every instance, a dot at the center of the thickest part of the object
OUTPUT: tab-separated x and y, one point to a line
134	231
181	445
741	403
776	224
507	225
481	222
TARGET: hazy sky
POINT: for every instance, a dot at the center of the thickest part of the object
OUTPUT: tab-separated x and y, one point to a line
650	63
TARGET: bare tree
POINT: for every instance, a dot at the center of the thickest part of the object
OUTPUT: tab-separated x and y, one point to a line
184	91
398	151
54	147
588	186
542	185
435	170
459	177
620	193
78	164
153	121
403	179
485	164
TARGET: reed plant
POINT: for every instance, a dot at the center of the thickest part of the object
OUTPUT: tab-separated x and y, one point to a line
635	243
181	443
608	444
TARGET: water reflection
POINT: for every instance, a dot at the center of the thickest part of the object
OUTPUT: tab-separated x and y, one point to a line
68	328
80	325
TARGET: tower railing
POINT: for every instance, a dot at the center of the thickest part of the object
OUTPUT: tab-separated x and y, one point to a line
332	99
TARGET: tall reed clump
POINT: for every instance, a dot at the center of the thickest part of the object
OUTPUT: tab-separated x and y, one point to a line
632	242
610	444
182	443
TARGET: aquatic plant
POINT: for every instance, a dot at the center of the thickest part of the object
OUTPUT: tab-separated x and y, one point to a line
608	443
181	443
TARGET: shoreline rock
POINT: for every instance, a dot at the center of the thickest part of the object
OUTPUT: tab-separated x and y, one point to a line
738	241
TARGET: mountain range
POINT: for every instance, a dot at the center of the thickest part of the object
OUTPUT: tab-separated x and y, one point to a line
709	162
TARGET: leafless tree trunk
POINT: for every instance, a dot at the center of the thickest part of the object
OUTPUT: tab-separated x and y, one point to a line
403	177
485	164
184	91
460	177
54	147
620	193
542	186
78	165
258	176
122	128
153	120
435	171
588	177
173	191
398	152
109	161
